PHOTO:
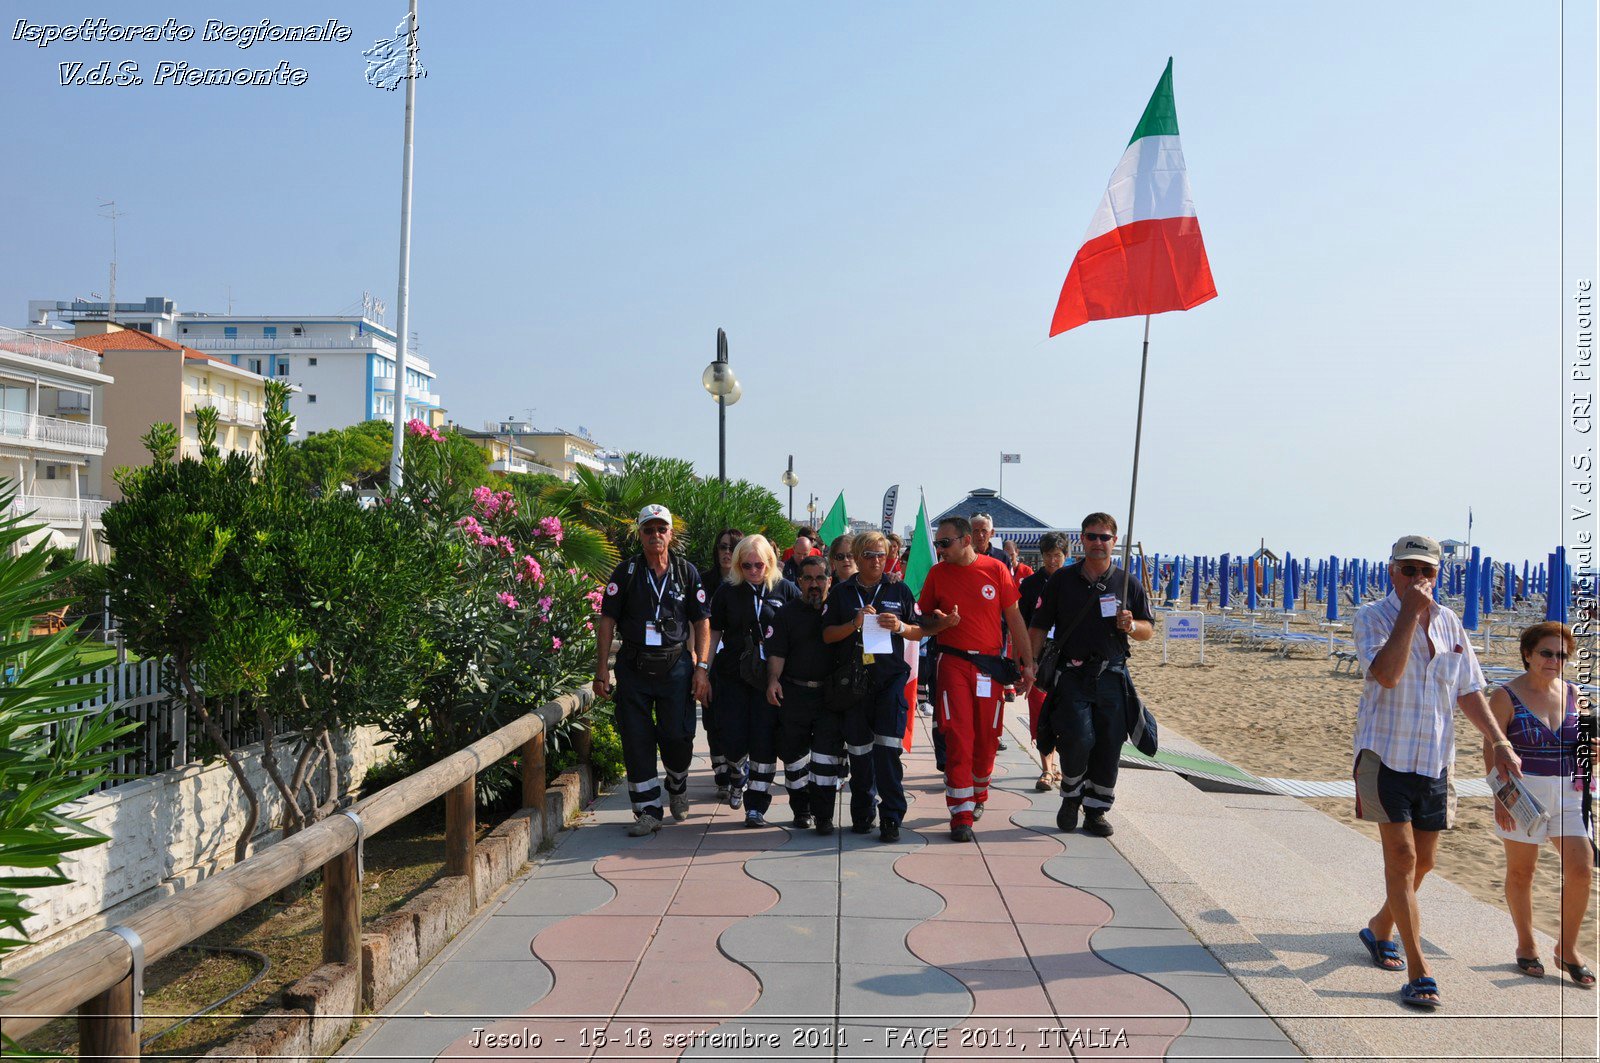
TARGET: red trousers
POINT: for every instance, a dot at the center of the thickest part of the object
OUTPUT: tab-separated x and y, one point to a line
1035	703
971	728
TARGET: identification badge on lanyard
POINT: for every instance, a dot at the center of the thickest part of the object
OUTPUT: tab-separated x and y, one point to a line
985	686
652	634
867	658
1108	605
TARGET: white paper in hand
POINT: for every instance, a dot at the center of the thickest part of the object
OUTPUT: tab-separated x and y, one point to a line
875	639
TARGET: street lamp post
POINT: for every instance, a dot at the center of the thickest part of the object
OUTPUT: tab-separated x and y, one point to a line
789	481
722	385
811	512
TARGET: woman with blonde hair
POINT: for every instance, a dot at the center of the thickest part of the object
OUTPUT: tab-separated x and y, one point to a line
742	610
1538	711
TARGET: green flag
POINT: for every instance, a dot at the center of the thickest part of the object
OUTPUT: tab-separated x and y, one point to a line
919	555
835	523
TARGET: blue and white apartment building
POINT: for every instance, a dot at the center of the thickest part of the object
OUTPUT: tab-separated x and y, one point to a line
343	365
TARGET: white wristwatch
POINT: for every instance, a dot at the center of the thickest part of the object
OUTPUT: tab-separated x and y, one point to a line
703	664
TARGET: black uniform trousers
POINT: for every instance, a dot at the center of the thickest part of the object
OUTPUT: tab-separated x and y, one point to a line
811	746
749	727
652	715
874	734
719	763
1089	715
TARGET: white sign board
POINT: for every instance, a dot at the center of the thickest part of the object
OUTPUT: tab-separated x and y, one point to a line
1185	626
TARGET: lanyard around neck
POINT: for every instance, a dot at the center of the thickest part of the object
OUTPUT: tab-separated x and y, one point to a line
661	591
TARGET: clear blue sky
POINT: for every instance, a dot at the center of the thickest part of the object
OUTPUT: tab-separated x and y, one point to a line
879	202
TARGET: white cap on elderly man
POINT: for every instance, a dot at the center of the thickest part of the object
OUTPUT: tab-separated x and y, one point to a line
1415	548
654	512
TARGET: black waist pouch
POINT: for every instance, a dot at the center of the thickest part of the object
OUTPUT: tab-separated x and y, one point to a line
655	663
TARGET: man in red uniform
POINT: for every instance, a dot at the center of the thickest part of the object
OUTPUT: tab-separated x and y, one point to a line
969	601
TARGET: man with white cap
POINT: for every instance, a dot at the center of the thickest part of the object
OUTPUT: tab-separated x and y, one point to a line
655	603
1419	669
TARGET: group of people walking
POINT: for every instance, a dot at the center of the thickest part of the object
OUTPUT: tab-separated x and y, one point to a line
803	668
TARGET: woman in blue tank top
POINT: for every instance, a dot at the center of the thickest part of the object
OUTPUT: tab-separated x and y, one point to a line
1538	711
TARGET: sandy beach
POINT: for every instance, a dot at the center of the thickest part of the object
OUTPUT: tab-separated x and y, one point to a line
1294	718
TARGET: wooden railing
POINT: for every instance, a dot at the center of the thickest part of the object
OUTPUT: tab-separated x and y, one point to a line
96	975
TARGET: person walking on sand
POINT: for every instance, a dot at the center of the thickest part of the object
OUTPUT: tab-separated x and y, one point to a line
1419	669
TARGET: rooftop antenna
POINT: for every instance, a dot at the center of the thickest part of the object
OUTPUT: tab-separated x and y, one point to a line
108	209
230	300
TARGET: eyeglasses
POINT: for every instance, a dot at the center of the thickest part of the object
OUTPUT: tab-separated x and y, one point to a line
653	529
727	545
841	557
1412	571
1556	655
873	555
1099	537
944	544
752	566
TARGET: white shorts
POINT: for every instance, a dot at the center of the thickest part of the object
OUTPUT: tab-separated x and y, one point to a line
1565	805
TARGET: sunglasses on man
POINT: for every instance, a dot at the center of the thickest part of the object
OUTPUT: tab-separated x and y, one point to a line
1099	537
1413	571
946	543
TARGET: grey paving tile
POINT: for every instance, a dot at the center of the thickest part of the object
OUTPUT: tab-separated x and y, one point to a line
487	987
561	895
1156	953
862	897
793	991
503	937
1137	907
1090	872
1210	995
1219	1049
805	898
1234	1028
868	994
788	939
864	940
794	867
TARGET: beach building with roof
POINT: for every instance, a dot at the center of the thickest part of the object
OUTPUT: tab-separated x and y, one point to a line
1010	521
53	432
158	380
341	365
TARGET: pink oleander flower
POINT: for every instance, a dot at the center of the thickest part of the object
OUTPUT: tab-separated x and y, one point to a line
588	626
545	604
551	526
506	600
528	569
420	430
555	644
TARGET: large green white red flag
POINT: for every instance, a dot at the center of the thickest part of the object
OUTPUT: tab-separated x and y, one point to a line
1143	253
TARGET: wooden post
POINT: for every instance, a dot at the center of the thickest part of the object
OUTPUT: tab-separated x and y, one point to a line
533	770
461	831
341	911
105	1025
583	742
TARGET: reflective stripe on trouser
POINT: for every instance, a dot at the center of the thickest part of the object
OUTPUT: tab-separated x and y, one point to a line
651	716
971	730
720	771
875	736
809	734
749	738
1087	715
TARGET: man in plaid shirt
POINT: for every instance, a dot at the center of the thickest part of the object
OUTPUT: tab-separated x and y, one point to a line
1419	669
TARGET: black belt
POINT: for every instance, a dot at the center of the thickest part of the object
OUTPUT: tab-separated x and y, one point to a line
807	683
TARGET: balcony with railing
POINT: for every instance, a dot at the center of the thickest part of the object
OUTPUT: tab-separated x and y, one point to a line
44	350
234	411
59	510
56	433
385	385
517	465
293	343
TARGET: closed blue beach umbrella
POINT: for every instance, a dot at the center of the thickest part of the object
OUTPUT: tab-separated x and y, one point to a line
1469	614
1508	599
1288	581
1333	588
1194	583
1486	585
1223	582
1251	599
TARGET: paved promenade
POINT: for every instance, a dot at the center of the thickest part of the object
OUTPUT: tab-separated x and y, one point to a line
711	941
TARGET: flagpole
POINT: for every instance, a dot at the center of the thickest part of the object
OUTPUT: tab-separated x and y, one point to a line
1002	491
1138	433
396	454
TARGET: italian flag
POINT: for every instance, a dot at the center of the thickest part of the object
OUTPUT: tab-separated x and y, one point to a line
1143	253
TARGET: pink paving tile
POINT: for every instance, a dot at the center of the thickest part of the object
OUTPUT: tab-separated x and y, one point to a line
587	937
586	988
722	895
972	904
643	857
1019	870
1111	992
639	896
1055	904
652	1040
1064	944
947	943
943	869
688	937
710	990
667	871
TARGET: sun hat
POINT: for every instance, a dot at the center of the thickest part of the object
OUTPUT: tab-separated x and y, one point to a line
654	512
1415	548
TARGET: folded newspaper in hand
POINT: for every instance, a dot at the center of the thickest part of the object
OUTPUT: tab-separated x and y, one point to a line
1525	809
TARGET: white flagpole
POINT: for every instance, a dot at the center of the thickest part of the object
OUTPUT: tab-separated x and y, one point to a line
1002	491
1138	433
396	456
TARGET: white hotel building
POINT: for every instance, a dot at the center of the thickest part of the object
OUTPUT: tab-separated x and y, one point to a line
343	365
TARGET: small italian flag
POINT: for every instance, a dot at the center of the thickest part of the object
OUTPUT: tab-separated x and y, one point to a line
1143	253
